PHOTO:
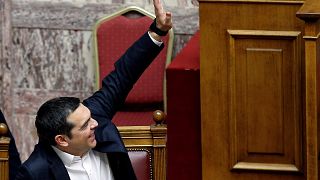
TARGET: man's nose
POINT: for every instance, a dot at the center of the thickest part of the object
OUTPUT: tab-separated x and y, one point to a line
94	124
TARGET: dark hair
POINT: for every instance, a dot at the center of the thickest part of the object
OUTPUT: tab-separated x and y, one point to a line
52	116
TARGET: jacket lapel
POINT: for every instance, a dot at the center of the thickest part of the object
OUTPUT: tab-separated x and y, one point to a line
121	167
56	166
59	172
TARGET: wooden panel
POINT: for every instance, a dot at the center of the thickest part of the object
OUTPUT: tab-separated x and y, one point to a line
264	100
231	127
265	120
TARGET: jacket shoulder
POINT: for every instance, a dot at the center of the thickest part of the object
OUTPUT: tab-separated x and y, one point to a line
41	164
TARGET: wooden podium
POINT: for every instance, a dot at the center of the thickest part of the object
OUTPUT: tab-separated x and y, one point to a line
259	83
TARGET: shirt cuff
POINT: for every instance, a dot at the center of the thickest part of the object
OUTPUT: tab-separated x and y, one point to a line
159	43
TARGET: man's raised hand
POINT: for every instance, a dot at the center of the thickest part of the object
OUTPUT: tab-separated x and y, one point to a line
163	19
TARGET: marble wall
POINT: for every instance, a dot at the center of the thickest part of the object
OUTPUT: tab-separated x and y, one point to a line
46	51
1	47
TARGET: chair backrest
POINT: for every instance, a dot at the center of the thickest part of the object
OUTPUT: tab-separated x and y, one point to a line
113	35
141	160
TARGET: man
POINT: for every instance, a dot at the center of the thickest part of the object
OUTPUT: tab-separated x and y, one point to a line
14	157
77	140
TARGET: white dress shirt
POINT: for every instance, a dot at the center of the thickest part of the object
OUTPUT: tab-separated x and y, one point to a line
155	41
92	166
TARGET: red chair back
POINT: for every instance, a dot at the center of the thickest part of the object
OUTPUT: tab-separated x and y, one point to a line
113	36
139	157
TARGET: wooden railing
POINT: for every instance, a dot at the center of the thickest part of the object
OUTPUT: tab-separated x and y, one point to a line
4	153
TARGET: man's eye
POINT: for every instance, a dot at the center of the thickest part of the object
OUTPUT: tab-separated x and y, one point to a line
84	126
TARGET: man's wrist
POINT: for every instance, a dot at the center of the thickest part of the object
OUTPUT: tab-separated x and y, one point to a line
153	27
155	38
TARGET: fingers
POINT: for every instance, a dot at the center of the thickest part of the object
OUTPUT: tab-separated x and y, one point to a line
158	8
168	17
168	21
164	19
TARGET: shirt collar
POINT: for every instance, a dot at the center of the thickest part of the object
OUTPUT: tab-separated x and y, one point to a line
67	158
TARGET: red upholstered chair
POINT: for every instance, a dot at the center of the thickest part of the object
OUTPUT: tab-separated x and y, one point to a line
113	35
138	157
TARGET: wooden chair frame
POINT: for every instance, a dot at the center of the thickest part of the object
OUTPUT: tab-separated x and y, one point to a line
148	137
4	152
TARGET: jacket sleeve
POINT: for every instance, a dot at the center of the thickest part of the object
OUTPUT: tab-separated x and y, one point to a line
116	86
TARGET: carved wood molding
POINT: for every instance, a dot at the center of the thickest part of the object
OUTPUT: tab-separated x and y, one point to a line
266	51
4	158
310	13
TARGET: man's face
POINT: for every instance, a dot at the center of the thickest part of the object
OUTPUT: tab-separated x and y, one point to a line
82	134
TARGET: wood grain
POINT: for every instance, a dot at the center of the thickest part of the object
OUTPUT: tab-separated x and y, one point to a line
251	89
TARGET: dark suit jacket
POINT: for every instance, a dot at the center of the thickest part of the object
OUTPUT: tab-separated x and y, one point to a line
44	164
14	157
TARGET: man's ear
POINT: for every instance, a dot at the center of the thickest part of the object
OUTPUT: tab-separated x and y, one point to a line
61	140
